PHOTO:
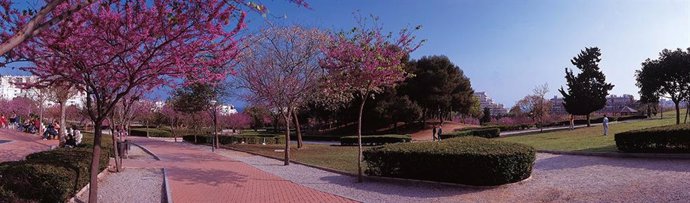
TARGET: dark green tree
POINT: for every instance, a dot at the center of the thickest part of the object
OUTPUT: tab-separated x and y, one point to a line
588	90
438	86
193	99
668	76
486	117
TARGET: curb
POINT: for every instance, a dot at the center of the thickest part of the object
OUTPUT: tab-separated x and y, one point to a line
166	186
619	154
381	178
86	187
146	150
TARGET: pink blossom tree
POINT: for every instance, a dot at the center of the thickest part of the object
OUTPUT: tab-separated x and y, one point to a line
18	26
281	68
362	63
111	49
235	121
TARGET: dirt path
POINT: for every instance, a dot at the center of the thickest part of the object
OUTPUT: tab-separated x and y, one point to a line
447	127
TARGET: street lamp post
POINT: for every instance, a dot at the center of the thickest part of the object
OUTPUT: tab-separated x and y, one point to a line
213	138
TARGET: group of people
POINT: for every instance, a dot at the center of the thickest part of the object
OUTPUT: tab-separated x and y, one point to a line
33	125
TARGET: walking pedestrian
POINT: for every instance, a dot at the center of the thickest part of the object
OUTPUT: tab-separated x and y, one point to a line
605	123
433	134
440	131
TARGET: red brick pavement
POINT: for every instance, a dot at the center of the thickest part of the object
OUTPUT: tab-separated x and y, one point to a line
202	176
21	144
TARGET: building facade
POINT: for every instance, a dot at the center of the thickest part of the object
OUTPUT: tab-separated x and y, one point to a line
486	102
10	88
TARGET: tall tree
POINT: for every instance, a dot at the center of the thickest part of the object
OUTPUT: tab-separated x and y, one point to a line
363	62
190	100
536	105
110	49
439	86
281	68
667	76
60	94
588	90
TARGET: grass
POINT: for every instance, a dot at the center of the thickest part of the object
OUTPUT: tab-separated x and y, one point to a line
589	139
342	158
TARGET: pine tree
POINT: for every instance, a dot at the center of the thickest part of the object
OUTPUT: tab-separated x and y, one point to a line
588	90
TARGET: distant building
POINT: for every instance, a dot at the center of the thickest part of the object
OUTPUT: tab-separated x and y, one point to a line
9	89
222	109
486	102
227	110
621	105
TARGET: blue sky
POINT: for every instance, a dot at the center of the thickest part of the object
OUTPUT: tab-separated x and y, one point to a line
508	47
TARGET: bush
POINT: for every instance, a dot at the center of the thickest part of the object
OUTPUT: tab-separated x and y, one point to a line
48	176
489	132
466	160
375	139
331	138
153	132
247	139
663	139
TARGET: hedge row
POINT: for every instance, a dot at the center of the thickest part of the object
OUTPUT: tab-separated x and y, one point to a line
489	132
375	139
49	176
663	139
153	132
466	160
247	139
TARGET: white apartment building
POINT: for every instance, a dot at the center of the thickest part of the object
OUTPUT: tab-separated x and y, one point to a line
486	102
9	89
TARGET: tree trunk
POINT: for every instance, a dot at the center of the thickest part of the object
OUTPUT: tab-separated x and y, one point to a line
63	125
359	140
40	121
117	153
95	162
677	103
215	129
589	124
147	130
687	108
661	111
287	137
299	132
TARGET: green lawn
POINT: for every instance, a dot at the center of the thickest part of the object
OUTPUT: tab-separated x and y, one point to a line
342	158
587	139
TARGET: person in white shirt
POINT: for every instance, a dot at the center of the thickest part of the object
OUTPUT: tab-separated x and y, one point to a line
605	123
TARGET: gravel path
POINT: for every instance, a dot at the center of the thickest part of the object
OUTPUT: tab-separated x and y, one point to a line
556	178
130	185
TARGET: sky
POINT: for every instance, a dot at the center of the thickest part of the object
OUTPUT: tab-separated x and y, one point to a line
507	48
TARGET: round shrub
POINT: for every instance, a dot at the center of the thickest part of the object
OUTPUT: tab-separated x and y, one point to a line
465	160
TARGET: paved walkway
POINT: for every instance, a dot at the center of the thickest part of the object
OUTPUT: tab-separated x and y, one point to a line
556	178
21	144
549	129
198	175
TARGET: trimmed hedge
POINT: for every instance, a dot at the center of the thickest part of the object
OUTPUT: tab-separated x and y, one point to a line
663	139
375	139
466	160
48	176
330	138
247	139
489	132
153	132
